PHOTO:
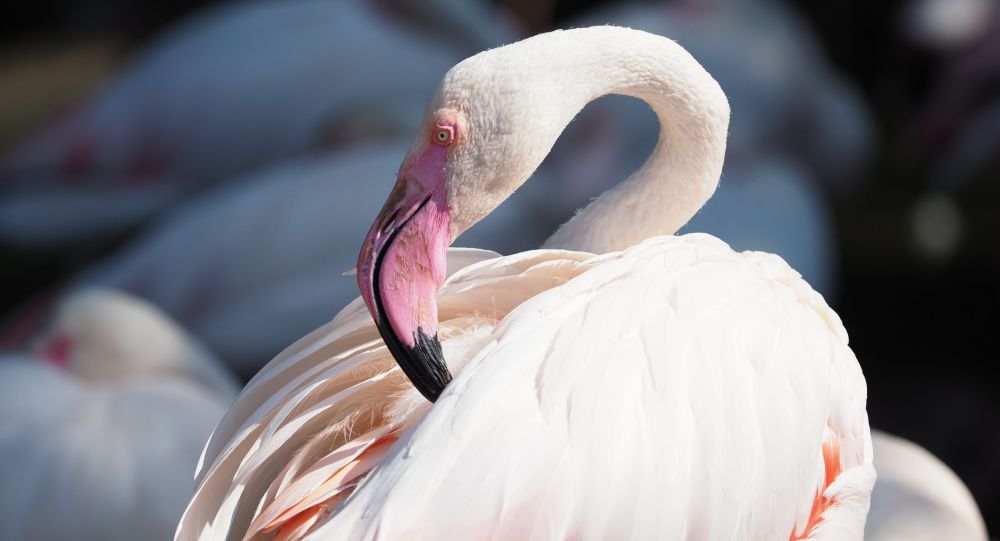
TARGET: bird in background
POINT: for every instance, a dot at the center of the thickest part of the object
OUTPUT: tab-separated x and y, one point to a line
947	25
222	93
917	497
103	421
785	91
952	137
959	117
271	269
802	131
620	382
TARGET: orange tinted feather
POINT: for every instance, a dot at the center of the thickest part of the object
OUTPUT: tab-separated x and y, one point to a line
831	470
298	520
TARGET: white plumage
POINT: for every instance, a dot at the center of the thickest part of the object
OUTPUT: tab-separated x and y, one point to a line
102	448
222	93
917	498
232	88
669	388
562	395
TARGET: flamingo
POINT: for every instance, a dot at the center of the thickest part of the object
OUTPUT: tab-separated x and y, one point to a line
103	421
259	280
620	383
917	497
220	94
945	25
958	121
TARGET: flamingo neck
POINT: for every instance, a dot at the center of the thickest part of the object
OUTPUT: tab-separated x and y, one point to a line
682	172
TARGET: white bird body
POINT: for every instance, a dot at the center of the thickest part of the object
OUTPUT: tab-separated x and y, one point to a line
221	94
918	498
232	88
102	449
75	212
559	394
618	384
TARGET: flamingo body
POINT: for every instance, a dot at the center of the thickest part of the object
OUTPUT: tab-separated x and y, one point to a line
917	497
621	382
223	93
534	399
98	444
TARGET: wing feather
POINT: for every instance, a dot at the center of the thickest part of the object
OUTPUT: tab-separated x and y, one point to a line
677	388
673	390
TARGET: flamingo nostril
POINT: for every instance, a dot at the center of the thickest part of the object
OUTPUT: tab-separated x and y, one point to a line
390	224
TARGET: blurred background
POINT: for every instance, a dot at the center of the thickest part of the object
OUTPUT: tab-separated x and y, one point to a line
223	160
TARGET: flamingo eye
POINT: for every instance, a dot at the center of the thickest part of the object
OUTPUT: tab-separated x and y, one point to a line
444	135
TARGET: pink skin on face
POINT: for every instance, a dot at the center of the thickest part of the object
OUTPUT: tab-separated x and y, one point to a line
413	267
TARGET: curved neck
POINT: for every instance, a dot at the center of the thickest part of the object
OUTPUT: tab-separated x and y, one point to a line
683	170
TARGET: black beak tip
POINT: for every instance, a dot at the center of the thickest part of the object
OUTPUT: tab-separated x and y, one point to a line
427	350
423	363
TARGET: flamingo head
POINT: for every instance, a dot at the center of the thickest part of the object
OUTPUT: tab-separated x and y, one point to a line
56	350
102	335
402	260
492	121
85	326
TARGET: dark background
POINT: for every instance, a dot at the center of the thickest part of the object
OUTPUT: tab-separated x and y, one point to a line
923	326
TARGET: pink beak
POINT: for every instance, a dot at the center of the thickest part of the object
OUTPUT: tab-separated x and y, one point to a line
402	265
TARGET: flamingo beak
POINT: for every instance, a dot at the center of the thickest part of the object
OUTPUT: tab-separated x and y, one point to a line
400	269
